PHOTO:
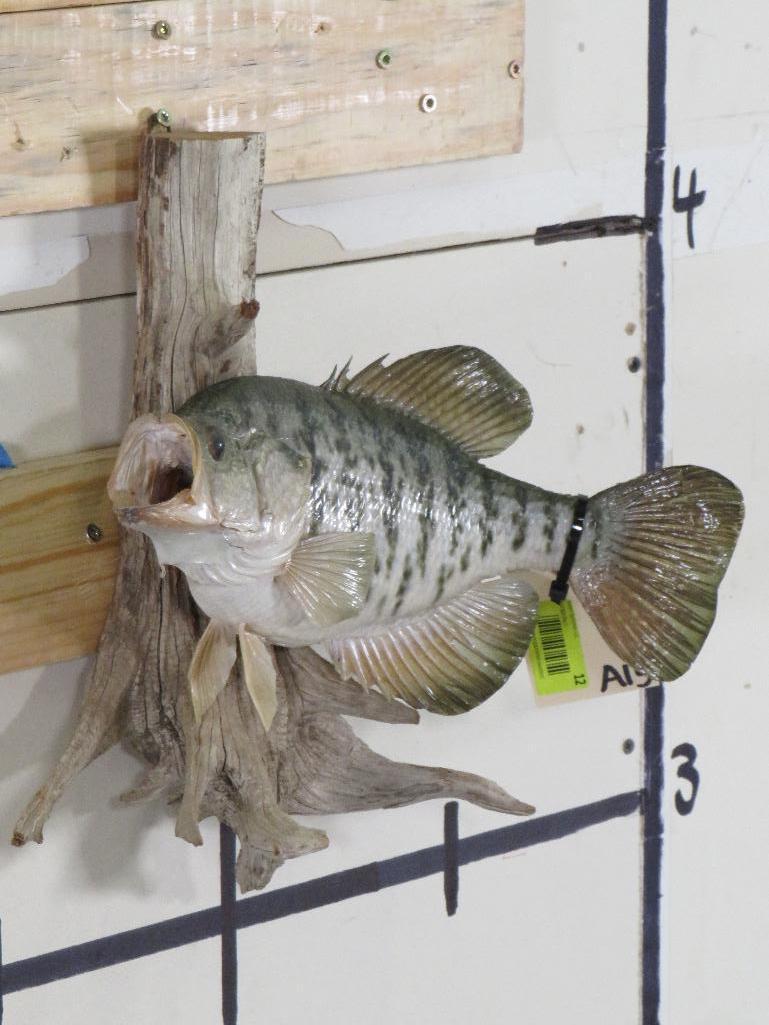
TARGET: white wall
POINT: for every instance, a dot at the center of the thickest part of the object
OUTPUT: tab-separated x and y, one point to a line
552	933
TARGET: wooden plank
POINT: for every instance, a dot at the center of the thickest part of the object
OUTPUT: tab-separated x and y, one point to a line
79	85
55	584
10	6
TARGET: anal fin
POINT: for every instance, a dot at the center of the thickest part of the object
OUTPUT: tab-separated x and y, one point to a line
450	658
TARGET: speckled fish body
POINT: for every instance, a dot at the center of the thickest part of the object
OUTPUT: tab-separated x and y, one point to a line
441	520
356	517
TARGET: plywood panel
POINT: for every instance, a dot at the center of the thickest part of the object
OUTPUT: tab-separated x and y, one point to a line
9	6
55	582
583	156
79	85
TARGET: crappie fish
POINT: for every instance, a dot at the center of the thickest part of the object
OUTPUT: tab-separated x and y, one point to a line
355	517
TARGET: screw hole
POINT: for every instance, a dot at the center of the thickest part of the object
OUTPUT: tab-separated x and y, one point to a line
94	532
428	103
634	364
514	69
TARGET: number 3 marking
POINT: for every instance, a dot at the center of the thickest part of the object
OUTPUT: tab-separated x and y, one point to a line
685	805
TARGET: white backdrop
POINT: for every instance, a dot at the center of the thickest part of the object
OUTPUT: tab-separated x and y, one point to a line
552	933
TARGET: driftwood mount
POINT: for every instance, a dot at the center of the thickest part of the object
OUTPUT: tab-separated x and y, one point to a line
198	215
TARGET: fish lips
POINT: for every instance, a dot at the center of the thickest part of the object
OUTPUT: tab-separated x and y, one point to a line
159	479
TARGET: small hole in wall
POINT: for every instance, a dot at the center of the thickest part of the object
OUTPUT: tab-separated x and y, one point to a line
634	364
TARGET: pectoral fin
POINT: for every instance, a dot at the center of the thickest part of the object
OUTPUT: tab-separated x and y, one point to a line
451	658
210	667
259	674
330	575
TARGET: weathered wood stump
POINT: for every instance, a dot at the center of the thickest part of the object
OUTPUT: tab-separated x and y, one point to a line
198	215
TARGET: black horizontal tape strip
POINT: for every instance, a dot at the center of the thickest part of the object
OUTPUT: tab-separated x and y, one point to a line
317	893
112	950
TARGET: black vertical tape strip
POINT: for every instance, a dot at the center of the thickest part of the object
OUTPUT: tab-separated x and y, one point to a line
653	826
451	856
654	698
1	972
229	926
654	195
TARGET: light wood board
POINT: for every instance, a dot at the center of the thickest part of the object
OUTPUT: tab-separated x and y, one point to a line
7	6
55	584
79	85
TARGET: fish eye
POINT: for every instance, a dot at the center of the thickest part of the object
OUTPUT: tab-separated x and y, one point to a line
216	447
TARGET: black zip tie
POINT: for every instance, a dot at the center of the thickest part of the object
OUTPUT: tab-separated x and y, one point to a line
560	586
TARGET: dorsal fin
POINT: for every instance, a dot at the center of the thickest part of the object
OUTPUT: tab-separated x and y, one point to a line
450	658
460	391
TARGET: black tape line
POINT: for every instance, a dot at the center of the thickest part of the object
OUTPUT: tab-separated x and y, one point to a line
451	856
229	926
560	586
112	950
291	900
1	972
654	697
594	227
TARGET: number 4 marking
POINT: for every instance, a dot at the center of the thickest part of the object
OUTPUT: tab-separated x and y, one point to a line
685	805
687	204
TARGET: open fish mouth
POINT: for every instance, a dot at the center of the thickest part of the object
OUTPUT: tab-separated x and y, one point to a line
158	476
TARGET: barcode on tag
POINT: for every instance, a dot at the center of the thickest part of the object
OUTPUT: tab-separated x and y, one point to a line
555	655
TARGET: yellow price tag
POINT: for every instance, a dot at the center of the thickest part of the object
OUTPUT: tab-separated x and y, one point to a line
555	655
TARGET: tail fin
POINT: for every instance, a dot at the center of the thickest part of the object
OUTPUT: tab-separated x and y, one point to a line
650	562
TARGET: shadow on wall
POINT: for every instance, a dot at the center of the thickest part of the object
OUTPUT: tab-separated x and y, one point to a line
92	840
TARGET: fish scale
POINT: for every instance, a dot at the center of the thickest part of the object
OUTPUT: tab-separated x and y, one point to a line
356	517
437	536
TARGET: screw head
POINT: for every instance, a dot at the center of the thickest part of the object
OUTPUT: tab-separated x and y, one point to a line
634	364
163	117
628	746
514	69
428	103
384	59
94	532
161	30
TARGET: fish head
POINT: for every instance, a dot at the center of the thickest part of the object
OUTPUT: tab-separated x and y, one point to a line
187	480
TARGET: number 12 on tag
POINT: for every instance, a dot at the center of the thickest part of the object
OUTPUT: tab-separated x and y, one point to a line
555	655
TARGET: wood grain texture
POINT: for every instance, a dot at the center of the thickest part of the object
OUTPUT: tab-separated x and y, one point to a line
78	86
198	216
14	6
198	213
55	584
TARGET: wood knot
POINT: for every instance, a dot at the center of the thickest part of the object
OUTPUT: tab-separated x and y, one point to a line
249	309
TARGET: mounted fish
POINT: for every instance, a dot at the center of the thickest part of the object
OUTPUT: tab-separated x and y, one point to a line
355	518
